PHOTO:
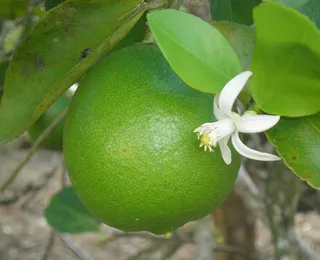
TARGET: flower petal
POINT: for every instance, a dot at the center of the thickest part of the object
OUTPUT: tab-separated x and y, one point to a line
225	151
250	153
231	90
256	123
216	110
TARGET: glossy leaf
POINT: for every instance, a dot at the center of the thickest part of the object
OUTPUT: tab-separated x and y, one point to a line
312	10
297	141
196	51
49	4
286	62
241	38
60	49
238	11
66	214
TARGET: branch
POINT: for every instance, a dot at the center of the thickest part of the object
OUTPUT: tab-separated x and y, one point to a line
233	250
204	239
75	249
258	206
32	150
49	245
32	188
159	250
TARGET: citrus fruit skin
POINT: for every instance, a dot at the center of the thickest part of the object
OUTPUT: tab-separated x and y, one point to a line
54	140
130	149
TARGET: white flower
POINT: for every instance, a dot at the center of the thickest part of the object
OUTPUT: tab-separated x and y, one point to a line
230	124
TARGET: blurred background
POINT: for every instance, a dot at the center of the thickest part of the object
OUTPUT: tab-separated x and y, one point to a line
271	214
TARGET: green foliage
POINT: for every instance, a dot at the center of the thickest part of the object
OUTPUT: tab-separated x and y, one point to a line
136	35
50	60
286	62
312	10
66	214
11	9
297	141
239	11
3	69
200	55
241	38
49	4
54	140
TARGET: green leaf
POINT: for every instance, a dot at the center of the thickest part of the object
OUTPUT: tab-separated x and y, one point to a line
241	38
297	141
52	58
296	4
239	11
3	69
66	213
286	62
196	51
49	4
11	9
136	35
312	10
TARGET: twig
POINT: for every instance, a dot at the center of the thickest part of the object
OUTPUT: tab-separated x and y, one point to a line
159	250
32	188
63	180
49	245
75	249
204	239
119	234
255	201
175	4
233	250
32	150
181	237
303	246
35	188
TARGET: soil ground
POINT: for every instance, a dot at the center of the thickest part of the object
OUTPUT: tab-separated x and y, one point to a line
25	234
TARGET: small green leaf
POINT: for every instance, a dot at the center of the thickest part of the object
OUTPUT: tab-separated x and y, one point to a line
312	10
66	213
196	51
51	59
241	38
286	62
49	4
238	11
297	140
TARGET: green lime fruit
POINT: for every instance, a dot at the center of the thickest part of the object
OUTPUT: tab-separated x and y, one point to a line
130	149
54	140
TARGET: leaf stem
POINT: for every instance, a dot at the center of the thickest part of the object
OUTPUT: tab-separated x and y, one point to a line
33	149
